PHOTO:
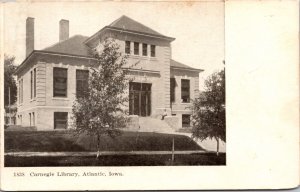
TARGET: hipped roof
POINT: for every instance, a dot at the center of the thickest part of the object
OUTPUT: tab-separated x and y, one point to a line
76	45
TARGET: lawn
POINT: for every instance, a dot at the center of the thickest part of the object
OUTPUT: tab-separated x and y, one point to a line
61	141
117	160
67	141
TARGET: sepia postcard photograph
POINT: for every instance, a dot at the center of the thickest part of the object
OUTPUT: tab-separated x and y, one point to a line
108	86
117	92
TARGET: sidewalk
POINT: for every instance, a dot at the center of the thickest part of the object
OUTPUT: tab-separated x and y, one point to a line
106	153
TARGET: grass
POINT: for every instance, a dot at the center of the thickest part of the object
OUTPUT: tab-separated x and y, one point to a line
115	160
60	141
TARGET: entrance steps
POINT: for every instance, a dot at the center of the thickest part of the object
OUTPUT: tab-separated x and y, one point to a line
149	124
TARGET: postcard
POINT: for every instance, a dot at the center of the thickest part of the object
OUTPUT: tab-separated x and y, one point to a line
149	95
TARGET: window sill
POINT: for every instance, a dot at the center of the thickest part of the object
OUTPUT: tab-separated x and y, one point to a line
142	57
60	98
180	103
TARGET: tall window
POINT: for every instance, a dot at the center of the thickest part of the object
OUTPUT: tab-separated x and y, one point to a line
152	50
33	119
136	48
34	82
172	89
185	90
60	120
31	84
145	50
127	47
186	120
21	91
82	77
29	119
60	76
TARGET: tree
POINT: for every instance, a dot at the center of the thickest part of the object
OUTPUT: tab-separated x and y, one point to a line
101	108
208	119
9	81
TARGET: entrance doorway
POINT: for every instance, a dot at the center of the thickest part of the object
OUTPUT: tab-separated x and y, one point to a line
140	99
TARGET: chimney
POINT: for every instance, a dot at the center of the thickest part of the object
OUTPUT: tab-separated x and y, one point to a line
29	35
63	30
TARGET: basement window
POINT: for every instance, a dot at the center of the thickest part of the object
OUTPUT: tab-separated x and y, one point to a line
60	120
186	120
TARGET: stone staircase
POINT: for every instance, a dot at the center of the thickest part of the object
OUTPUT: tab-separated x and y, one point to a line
148	124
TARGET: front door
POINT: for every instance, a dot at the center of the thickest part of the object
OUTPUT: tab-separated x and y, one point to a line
140	99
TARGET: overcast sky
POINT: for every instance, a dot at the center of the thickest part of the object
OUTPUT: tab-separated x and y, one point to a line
197	26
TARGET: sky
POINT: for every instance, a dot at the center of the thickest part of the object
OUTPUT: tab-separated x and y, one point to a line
197	26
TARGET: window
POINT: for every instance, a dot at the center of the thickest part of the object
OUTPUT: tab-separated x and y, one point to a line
29	119
145	50
186	120
60	120
34	83
60	76
172	89
21	91
127	47
185	90
33	119
152	50
82	77
136	48
31	84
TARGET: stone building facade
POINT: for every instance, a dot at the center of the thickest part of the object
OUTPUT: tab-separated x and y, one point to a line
49	79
